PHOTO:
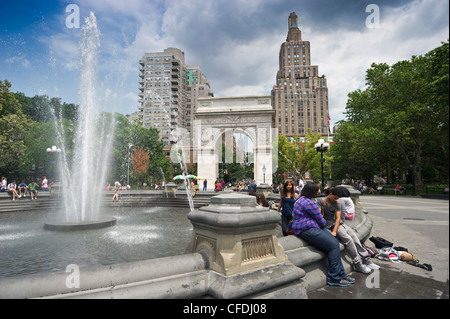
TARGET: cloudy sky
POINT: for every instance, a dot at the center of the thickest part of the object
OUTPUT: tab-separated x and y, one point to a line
236	42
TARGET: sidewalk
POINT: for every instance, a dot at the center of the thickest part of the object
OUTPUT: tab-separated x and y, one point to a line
425	237
391	282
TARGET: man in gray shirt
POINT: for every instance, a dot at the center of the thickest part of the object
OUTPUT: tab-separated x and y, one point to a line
332	210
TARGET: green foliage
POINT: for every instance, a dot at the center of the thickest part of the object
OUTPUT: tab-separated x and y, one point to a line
298	155
133	133
399	122
13	129
41	108
8	102
29	125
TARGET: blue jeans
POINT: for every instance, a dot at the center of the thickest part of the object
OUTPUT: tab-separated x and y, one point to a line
284	224
324	241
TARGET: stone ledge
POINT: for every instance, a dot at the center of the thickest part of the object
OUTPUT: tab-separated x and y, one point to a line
255	281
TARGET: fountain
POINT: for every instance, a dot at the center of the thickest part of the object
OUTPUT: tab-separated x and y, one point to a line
87	171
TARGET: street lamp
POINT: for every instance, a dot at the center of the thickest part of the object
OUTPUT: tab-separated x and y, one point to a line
264	173
322	147
128	173
411	166
54	149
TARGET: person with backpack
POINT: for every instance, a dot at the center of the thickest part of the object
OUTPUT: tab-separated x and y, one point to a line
218	186
332	211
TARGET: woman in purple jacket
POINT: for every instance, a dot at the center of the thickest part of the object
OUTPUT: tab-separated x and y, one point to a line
309	225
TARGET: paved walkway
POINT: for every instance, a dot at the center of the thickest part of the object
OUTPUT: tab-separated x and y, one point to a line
422	226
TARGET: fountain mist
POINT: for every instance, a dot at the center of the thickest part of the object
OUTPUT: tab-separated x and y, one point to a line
84	176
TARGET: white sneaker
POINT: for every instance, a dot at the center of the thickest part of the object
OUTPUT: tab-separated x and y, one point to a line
363	268
373	266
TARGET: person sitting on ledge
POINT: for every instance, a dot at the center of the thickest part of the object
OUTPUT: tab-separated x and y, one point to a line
333	210
252	188
309	225
33	192
3	186
261	200
44	186
23	188
399	189
12	190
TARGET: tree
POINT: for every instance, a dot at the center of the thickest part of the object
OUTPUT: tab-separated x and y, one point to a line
298	155
140	161
40	137
148	138
13	129
400	119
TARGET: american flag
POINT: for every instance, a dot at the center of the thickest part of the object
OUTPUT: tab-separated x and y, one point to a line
328	118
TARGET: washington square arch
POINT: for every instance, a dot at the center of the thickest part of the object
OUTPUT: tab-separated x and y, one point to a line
219	120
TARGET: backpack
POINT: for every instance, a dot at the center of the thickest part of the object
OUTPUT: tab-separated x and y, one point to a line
380	242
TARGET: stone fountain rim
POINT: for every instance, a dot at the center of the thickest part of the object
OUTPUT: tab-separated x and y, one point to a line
80	225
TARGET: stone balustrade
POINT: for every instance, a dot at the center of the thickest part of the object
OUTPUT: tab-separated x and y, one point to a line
233	253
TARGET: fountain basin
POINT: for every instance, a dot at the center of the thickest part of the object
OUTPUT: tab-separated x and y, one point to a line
82	225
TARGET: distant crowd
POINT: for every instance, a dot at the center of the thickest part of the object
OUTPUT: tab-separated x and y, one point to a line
23	190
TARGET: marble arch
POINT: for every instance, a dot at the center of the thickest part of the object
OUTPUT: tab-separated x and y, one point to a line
252	116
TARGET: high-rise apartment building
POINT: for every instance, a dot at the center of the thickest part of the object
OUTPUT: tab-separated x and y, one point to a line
300	95
168	92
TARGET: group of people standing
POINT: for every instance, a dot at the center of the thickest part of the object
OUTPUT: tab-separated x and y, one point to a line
21	190
321	223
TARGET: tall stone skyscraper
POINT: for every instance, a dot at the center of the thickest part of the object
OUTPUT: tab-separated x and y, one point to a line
300	95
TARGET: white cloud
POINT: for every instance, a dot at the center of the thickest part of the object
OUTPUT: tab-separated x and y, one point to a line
345	56
19	59
236	42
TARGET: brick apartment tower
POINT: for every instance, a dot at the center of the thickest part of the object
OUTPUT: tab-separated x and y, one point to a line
300	96
168	92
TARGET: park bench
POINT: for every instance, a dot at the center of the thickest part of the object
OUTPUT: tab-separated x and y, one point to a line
388	190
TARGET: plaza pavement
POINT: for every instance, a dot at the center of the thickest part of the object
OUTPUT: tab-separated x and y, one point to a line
419	224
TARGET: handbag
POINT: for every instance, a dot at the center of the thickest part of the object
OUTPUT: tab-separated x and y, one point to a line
389	253
405	256
380	242
349	216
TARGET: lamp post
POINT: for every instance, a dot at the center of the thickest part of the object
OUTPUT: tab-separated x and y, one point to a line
128	170
322	147
264	173
53	149
411	166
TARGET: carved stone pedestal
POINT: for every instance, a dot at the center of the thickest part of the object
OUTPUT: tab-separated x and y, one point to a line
238	239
